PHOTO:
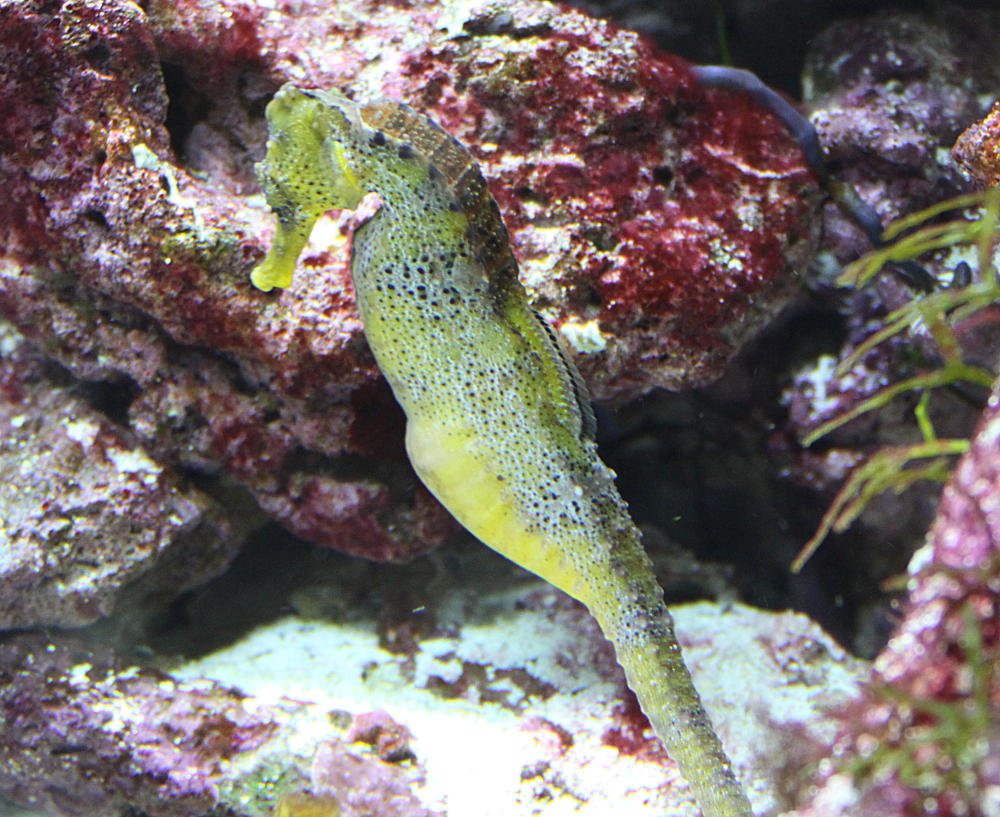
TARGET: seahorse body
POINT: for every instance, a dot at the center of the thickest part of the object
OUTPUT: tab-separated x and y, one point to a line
498	420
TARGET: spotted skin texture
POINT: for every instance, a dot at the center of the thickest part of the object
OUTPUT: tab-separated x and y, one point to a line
498	421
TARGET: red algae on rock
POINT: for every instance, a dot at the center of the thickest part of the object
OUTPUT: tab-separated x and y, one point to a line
977	150
923	738
658	224
124	266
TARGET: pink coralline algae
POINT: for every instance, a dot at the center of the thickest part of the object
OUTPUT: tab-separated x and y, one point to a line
659	224
924	738
889	94
364	788
977	150
391	740
83	737
130	270
85	512
85	734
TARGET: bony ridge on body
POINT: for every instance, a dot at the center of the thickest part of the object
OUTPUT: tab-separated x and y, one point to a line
499	425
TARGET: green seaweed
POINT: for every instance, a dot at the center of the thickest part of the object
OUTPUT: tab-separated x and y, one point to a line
935	747
935	314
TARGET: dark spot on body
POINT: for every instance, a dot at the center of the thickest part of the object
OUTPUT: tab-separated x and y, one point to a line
405	151
378	139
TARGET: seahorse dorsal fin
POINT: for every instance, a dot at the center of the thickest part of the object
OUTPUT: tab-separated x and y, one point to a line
572	380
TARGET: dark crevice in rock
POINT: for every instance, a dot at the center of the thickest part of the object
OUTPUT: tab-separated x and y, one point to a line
700	467
186	107
111	398
253	591
398	476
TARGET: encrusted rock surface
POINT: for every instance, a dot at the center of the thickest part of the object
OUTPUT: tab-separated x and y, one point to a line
85	735
923	738
977	150
510	705
889	94
129	269
129	152
85	514
659	224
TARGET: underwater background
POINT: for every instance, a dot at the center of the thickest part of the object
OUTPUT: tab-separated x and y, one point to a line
223	590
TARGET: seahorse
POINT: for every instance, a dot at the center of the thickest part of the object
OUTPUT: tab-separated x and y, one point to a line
499	425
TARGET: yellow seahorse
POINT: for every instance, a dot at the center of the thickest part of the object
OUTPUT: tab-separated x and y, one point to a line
499	426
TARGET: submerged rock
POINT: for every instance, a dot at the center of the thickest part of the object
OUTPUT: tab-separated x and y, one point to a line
512	706
84	735
888	95
87	519
658	223
923	738
977	150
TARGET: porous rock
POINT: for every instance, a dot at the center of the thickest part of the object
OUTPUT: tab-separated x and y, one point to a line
977	150
86	734
87	519
659	224
927	718
889	94
128	268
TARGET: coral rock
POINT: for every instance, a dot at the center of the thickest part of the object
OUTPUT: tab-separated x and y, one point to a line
889	93
85	512
130	268
978	149
659	224
83	736
365	788
391	740
926	725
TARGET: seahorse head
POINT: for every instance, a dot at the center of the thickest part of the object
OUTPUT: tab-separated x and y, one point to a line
307	169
